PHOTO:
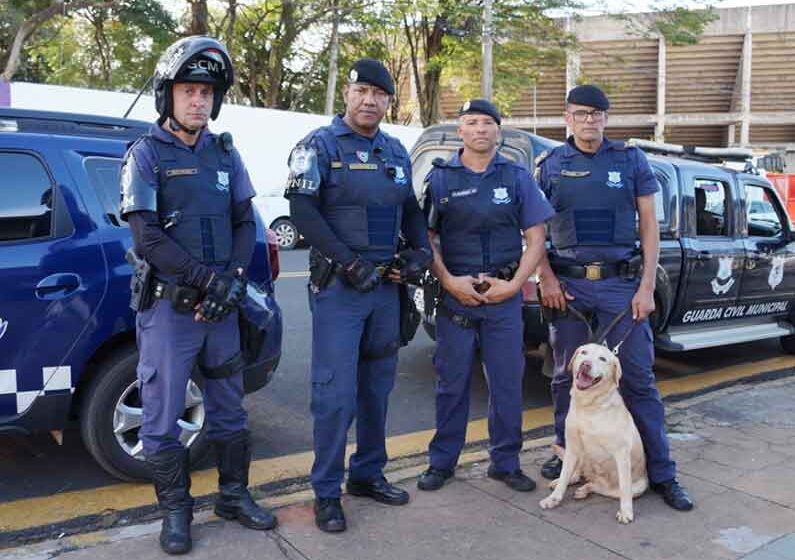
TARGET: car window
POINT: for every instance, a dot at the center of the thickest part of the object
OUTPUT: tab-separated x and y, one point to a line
711	207
763	219
26	198
103	174
661	196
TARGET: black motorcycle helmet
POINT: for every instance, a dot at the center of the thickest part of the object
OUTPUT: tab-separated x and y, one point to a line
192	59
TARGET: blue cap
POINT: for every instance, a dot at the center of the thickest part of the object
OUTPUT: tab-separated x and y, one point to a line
371	71
481	106
590	96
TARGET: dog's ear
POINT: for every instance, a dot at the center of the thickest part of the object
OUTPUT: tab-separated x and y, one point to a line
570	367
617	372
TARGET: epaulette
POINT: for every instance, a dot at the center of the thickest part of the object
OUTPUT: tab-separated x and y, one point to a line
541	157
226	141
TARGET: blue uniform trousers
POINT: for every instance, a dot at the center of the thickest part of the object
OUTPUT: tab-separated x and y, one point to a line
355	337
499	334
170	344
607	298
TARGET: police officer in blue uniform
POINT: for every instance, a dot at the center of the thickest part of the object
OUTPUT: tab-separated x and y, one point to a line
351	196
481	206
600	189
187	198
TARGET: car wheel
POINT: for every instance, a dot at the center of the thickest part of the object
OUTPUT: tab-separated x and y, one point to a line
286	233
788	343
112	415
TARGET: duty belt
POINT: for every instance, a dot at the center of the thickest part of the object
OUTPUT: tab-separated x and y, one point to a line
182	298
457	318
596	270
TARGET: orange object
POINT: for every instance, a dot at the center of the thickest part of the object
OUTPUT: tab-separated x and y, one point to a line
785	185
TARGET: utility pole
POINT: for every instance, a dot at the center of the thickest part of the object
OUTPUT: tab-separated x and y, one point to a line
331	83
486	81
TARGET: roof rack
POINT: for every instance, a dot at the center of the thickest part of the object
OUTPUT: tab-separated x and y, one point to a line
69	124
709	155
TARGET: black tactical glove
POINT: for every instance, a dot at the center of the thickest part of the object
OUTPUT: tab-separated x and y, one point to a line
412	264
361	274
224	294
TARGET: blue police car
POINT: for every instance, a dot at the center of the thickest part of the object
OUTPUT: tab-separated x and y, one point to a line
67	334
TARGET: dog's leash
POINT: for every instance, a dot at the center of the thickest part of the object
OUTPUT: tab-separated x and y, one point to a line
602	338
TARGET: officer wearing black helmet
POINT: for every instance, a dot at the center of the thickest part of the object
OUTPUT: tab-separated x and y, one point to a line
187	197
351	196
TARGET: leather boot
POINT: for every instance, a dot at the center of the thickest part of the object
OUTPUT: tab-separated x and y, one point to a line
170	472
233	456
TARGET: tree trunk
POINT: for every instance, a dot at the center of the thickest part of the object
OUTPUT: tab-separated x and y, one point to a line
198	17
334	48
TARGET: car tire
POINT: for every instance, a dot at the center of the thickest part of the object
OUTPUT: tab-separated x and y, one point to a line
113	396
286	233
788	343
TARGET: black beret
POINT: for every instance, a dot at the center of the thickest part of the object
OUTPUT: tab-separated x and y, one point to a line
371	71
590	96
481	106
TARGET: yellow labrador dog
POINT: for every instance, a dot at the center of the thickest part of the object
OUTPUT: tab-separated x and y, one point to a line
603	445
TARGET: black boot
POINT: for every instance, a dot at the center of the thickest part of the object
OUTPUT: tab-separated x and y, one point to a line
171	475
233	456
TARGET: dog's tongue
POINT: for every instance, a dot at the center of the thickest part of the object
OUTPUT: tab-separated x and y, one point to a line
583	378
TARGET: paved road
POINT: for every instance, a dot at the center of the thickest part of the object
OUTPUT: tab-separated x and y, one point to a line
279	414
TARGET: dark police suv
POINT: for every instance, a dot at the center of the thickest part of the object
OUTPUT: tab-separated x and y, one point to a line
67	334
727	248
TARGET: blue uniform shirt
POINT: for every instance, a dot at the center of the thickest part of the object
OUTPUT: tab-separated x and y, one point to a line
533	205
146	160
638	176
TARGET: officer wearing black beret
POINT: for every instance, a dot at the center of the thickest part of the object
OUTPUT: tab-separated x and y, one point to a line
482	207
351	197
603	194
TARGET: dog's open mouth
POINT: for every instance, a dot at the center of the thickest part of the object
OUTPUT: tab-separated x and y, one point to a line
583	378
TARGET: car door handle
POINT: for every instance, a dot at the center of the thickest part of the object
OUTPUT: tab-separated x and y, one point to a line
703	256
57	285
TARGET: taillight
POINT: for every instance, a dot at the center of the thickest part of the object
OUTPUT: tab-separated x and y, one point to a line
273	253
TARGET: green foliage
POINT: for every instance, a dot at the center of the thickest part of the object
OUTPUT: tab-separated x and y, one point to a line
679	25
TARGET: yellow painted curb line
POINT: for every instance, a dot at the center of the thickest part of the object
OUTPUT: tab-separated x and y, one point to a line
45	510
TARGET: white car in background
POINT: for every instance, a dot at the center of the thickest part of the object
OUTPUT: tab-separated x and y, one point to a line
275	213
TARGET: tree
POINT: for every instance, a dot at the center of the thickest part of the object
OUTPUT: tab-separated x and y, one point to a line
198	17
34	14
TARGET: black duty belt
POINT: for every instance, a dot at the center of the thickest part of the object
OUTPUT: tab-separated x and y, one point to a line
182	298
596	270
457	318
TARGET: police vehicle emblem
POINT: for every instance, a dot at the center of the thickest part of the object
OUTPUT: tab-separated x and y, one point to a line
776	272
301	159
723	280
400	175
127	198
3	327
223	181
363	156
614	180
501	196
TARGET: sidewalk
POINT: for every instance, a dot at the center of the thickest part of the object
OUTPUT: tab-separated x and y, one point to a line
735	450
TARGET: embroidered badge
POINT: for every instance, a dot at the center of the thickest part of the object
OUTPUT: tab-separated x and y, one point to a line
222	184
501	196
127	197
614	180
301	159
400	175
353	76
363	156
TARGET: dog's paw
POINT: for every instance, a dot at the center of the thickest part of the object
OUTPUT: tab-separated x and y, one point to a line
624	516
549	502
582	492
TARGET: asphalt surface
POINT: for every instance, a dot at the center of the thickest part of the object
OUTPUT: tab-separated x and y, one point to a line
279	414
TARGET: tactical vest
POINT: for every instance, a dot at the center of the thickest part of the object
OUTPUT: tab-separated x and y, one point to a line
362	201
479	220
593	201
194	200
